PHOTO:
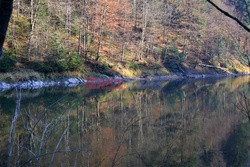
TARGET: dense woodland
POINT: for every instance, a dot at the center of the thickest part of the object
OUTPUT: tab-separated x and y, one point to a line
127	37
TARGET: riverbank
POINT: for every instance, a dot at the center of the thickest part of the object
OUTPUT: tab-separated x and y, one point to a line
35	80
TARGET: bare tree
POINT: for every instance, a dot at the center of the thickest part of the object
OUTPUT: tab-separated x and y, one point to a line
243	105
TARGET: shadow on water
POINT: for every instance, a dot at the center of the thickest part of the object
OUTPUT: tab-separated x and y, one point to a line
236	147
186	123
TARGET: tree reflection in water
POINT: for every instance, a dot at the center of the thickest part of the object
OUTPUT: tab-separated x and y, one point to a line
187	123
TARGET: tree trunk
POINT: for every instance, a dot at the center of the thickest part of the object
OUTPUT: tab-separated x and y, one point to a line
100	33
6	7
86	25
144	26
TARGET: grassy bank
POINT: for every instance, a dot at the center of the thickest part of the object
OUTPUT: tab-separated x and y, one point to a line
99	70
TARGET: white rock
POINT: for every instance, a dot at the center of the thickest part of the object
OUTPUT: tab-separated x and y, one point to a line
105	76
4	85
37	84
118	77
73	81
24	85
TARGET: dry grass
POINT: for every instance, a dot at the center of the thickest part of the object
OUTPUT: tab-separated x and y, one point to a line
13	77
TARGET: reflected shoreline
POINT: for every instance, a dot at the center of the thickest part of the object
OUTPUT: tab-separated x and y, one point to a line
186	123
73	82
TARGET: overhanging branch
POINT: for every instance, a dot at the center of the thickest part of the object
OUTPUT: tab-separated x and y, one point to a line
229	15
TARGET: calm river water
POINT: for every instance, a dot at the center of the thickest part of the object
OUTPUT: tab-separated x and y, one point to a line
183	123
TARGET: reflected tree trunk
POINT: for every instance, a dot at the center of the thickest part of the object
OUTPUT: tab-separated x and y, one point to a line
13	126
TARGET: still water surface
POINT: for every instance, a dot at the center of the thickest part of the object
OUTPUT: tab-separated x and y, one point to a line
185	123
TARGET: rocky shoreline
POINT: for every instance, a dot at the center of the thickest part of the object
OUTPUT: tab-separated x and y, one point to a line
72	82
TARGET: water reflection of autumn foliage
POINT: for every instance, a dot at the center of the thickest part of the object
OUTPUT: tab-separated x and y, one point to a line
185	124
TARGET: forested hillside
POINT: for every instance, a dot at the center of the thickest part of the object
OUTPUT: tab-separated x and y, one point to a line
127	37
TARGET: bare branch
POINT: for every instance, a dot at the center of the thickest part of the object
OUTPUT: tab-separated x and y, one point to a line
229	15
